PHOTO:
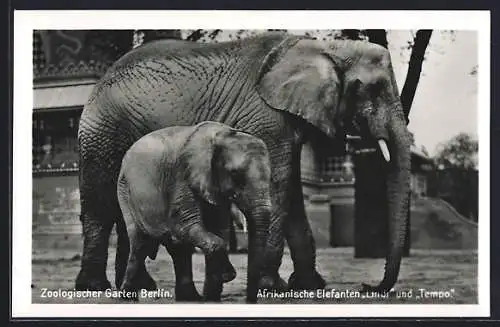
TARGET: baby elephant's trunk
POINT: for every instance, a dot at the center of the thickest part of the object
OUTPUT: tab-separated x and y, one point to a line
258	228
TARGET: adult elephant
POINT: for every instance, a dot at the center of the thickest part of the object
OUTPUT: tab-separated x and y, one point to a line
278	87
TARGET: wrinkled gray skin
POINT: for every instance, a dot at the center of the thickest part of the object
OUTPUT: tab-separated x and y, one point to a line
280	88
176	187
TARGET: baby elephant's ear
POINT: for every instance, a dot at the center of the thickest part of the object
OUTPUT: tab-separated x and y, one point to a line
204	150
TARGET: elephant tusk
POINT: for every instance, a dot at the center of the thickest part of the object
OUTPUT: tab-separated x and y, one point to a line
385	150
352	137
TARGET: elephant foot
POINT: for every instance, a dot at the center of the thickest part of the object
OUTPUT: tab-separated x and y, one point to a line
187	293
129	293
85	281
274	283
228	272
212	291
214	298
312	281
145	281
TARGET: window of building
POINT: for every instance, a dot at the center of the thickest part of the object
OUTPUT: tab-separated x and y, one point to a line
338	169
55	145
422	185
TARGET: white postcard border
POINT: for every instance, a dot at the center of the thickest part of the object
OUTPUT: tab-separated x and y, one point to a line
26	21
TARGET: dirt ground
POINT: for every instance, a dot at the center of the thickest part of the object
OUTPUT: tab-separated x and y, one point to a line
428	276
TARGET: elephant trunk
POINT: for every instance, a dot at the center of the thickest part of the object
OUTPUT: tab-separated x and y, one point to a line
258	218
397	153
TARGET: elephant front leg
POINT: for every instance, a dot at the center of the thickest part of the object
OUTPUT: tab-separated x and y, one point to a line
302	246
299	236
218	270
216	220
289	220
213	246
213	285
185	289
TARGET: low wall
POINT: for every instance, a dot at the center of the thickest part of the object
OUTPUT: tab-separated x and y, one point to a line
434	225
56	224
56	212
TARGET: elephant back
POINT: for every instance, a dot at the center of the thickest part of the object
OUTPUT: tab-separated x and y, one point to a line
152	50
261	47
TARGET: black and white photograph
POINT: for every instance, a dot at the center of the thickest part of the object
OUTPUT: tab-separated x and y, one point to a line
304	165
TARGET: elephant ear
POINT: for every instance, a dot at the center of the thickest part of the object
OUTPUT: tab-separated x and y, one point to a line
202	151
304	82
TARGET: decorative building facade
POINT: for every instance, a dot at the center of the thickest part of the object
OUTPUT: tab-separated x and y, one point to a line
66	65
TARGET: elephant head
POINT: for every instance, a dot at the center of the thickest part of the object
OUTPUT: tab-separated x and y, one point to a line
348	87
227	167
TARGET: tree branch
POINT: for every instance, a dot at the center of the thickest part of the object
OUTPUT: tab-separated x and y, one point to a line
378	37
196	35
152	35
420	44
351	34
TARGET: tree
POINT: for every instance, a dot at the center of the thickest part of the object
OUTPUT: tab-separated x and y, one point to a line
113	44
458	152
144	36
420	43
456	180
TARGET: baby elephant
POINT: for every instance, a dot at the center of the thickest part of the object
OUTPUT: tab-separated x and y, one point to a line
176	187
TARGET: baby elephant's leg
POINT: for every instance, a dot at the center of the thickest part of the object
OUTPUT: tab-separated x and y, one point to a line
139	247
217	220
182	257
228	271
213	246
218	270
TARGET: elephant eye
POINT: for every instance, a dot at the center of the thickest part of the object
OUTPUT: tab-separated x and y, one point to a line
377	87
368	111
238	177
356	86
233	196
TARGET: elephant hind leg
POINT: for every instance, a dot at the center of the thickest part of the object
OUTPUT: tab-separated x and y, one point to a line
149	247
134	273
146	281
92	275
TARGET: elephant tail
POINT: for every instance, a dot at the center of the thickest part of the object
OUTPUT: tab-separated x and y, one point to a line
122	252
